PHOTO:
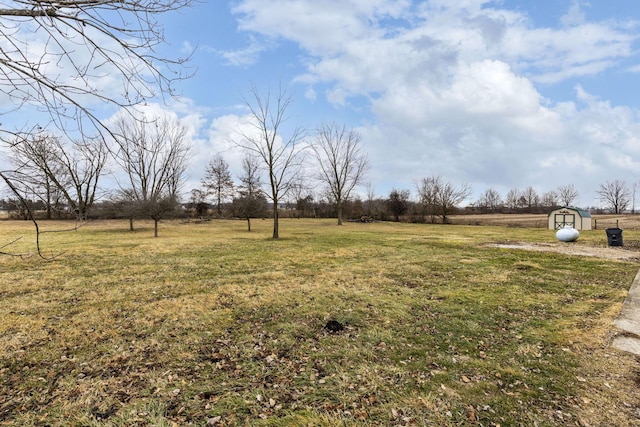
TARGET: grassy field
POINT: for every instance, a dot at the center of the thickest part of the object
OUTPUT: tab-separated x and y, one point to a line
600	222
211	325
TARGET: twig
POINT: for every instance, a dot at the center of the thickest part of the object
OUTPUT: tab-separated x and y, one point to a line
22	256
66	230
31	216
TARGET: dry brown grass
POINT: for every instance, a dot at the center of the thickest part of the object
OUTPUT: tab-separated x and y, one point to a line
211	324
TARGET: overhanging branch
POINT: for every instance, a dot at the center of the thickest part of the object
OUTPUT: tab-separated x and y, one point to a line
29	13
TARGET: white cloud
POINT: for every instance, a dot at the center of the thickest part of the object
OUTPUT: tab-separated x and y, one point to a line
321	27
574	16
489	87
453	87
354	51
246	56
552	55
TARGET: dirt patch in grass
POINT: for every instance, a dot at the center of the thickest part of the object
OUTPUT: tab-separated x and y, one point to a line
619	253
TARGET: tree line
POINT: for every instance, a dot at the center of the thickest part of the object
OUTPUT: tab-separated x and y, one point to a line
615	197
432	200
306	174
149	155
59	164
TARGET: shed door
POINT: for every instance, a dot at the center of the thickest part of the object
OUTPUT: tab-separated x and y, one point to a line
562	219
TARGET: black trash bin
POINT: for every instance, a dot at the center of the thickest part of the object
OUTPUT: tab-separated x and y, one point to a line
614	236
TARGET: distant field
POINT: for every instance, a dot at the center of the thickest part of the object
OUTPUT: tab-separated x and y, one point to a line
624	221
211	325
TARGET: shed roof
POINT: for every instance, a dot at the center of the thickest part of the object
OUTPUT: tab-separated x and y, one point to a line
581	212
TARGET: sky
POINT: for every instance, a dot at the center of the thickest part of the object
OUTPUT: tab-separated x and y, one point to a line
491	94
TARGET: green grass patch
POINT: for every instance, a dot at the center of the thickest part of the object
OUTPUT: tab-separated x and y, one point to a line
212	324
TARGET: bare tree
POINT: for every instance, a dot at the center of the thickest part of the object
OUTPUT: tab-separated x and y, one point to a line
450	197
428	192
490	200
341	160
72	170
567	194
57	55
277	148
251	201
85	171
511	200
33	160
371	196
153	157
438	198
300	196
529	199
615	195
550	199
217	180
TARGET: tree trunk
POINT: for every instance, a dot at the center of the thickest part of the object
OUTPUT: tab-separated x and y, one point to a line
248	224
276	235
48	202
155	228
130	224
339	212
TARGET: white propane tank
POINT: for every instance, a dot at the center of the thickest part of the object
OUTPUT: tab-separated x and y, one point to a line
567	234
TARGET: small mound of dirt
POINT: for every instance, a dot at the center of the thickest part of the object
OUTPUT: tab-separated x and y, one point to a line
334	326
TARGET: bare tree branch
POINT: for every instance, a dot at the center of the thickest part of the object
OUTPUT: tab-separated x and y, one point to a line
280	155
72	170
615	195
153	155
567	194
64	58
341	159
31	217
217	181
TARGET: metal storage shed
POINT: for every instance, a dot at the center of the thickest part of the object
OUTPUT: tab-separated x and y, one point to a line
568	215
